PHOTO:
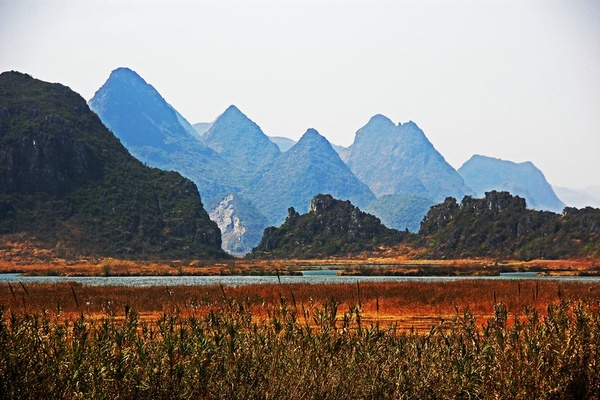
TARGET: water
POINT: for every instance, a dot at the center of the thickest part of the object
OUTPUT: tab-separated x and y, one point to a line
311	277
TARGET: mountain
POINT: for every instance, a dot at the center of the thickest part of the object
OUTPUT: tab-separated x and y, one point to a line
483	174
310	167
241	224
499	225
202	127
68	184
398	159
157	135
240	141
400	211
576	197
283	143
331	227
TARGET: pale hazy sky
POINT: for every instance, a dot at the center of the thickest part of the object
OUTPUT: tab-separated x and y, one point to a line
517	80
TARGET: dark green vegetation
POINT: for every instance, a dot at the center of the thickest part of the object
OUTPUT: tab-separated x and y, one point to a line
301	352
500	226
69	184
331	227
484	174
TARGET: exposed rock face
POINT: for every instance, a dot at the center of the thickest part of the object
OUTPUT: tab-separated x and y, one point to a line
156	134
398	159
240	141
240	224
331	227
484	174
64	178
500	225
310	167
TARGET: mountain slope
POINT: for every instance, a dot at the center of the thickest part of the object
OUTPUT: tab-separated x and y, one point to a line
484	174
331	227
398	159
69	184
310	167
157	135
240	141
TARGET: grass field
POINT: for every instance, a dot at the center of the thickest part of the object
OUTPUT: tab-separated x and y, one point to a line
464	339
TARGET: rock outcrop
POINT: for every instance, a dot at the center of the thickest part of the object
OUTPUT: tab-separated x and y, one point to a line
331	227
240	223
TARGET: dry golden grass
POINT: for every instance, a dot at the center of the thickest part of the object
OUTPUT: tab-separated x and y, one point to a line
418	305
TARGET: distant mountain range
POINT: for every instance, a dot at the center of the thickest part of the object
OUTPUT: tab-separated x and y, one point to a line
68	184
310	167
391	169
580	198
398	159
484	174
157	135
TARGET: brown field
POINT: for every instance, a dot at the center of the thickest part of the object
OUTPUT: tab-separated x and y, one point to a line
409	305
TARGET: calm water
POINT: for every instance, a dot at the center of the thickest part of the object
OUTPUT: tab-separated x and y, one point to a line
313	277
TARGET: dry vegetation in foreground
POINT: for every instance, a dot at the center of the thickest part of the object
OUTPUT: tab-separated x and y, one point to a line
301	341
409	305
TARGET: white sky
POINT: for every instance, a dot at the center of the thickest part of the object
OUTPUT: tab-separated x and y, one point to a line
517	80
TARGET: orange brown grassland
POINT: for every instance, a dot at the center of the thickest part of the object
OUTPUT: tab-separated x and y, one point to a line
415	305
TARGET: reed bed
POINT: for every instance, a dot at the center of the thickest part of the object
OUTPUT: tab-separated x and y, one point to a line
299	349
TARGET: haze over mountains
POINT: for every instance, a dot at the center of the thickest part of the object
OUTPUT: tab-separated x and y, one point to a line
391	170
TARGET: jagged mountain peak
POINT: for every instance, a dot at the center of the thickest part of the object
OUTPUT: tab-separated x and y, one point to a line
240	141
312	138
399	159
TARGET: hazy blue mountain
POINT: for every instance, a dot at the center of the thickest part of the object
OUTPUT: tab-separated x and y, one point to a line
309	168
202	127
400	211
579	198
68	184
158	135
241	224
283	143
240	141
484	174
398	159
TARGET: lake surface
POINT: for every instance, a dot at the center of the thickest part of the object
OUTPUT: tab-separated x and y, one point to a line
311	277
